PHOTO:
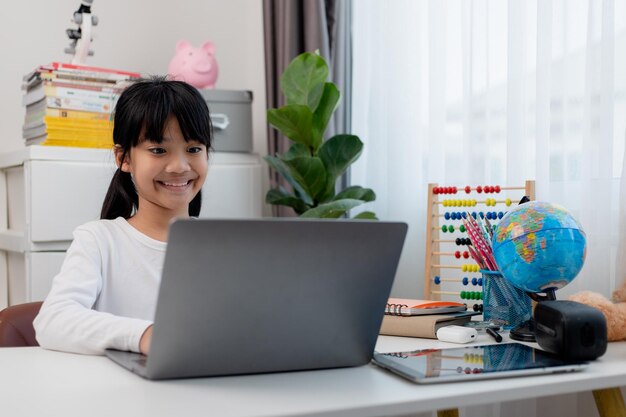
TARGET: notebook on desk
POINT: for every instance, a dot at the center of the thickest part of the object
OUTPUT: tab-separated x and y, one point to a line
270	295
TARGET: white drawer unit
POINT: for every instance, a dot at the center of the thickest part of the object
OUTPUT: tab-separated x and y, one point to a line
47	192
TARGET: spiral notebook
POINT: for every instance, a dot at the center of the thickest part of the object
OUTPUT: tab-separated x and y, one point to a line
411	307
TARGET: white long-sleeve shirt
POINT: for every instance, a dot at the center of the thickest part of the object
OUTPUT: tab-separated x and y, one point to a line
105	294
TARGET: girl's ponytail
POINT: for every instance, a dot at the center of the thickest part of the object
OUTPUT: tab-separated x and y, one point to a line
196	205
121	198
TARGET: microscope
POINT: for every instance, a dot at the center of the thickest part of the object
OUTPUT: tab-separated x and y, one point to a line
80	39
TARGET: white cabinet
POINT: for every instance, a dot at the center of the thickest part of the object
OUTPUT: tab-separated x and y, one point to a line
47	192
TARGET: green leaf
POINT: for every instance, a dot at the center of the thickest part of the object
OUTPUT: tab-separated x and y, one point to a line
281	197
358	193
303	80
284	170
338	153
334	209
325	109
310	173
366	215
297	150
295	122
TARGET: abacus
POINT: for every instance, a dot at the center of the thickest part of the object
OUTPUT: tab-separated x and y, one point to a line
450	270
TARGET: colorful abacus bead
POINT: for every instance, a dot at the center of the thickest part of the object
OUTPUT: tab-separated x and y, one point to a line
468	189
465	281
507	202
437	280
471	295
473	358
497	189
466	255
479	189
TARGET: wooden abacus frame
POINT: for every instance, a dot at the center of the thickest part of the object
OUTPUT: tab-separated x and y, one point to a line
433	264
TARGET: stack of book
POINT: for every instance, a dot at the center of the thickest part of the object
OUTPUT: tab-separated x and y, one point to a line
422	318
72	105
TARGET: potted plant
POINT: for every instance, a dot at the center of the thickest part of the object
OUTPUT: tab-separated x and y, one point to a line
312	166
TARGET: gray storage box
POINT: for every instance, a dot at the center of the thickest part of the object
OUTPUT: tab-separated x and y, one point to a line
231	115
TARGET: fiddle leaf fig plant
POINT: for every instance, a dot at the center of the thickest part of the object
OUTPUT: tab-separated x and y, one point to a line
312	166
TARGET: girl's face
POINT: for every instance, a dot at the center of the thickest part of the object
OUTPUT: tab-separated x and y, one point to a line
168	175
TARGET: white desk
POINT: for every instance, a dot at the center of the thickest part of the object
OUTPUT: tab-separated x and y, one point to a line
39	382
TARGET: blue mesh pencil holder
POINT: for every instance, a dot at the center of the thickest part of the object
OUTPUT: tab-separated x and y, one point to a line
502	302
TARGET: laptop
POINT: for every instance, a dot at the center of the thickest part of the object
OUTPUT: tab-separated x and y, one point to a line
474	362
269	295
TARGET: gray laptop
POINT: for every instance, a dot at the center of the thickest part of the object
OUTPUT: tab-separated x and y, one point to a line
269	295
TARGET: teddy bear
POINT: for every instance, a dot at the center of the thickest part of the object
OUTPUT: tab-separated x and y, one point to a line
614	311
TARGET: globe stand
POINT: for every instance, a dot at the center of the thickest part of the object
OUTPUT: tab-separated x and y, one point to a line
525	332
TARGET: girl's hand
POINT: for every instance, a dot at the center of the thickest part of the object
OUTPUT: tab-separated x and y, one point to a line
146	339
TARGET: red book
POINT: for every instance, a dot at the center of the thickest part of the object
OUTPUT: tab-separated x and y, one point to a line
83	68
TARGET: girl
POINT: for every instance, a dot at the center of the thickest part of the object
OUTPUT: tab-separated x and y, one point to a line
105	294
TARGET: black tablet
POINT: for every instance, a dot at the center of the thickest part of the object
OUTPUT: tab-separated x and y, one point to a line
474	362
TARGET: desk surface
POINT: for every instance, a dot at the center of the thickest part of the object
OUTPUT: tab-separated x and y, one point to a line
39	382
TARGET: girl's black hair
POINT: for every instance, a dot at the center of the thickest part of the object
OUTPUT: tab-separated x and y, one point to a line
144	107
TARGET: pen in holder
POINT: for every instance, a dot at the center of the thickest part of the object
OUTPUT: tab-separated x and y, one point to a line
502	302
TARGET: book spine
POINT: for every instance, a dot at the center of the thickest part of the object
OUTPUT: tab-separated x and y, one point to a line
82	93
86	85
76	114
100	106
98	70
110	78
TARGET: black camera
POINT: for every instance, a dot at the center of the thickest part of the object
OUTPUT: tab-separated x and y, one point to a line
571	330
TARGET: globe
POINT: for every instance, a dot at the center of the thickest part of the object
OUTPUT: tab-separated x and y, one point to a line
539	247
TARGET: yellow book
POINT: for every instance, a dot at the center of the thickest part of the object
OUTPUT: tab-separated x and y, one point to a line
77	114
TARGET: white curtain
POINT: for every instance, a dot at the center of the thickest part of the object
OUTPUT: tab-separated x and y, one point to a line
470	92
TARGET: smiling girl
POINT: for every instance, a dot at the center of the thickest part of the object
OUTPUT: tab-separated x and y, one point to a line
105	294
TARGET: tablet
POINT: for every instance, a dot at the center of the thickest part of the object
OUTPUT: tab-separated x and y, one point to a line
474	362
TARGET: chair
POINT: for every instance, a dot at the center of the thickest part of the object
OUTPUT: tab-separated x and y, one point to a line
16	325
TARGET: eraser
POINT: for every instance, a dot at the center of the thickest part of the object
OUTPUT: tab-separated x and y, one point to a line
457	334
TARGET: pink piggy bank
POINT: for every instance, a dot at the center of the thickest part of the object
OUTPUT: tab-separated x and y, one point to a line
196	66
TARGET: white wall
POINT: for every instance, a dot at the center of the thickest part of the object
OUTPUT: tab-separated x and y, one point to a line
137	35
